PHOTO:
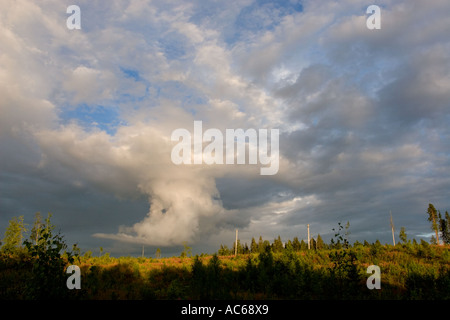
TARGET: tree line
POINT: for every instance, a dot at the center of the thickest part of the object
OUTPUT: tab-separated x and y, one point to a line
33	264
16	241
276	246
440	224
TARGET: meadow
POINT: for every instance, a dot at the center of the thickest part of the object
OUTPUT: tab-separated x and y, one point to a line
35	268
408	271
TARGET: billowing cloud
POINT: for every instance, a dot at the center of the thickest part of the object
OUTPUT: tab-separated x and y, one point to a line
87	116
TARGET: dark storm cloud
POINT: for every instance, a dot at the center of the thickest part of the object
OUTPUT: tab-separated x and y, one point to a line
371	146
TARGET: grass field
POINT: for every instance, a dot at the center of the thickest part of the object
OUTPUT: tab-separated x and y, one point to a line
410	271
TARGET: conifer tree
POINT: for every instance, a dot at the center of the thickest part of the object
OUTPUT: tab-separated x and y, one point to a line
319	244
444	227
253	246
313	244
303	245
266	246
403	237
277	245
433	218
288	247
260	244
296	245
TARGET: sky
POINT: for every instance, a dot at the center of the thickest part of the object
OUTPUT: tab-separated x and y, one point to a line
87	116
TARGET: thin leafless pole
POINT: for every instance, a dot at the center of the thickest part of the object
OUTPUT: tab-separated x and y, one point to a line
392	228
309	245
236	243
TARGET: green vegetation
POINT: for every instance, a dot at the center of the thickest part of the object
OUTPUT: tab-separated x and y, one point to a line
36	268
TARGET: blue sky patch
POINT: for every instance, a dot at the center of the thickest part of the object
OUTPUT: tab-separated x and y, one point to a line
106	118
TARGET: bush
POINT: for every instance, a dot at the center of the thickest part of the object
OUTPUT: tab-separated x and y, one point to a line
48	278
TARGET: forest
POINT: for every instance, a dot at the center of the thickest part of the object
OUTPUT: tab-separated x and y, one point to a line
33	266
